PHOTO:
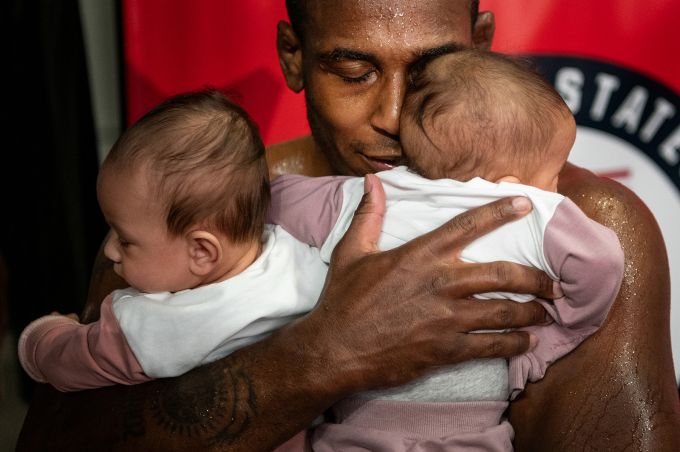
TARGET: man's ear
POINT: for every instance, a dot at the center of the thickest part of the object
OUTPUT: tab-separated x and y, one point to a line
483	29
205	252
289	48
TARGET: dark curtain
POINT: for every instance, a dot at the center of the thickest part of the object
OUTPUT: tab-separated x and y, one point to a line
51	227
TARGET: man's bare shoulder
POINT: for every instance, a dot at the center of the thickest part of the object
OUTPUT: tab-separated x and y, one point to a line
297	156
628	386
606	201
617	207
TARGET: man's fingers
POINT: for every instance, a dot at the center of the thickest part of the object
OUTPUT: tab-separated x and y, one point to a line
457	233
499	314
505	277
364	231
498	345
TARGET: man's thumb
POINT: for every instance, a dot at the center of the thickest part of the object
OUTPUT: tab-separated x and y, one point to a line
364	231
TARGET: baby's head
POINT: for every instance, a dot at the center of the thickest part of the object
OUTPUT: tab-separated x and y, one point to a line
474	113
186	192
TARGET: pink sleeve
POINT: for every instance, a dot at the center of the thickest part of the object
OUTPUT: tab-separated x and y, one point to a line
306	207
72	356
589	261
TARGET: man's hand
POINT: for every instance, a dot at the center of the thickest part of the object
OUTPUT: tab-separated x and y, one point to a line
390	316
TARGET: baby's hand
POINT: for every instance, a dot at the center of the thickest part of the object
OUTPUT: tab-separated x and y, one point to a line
72	316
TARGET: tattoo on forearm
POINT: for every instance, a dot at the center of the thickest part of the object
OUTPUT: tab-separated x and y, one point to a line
240	406
214	403
133	419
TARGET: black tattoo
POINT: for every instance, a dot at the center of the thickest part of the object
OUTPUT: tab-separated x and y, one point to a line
133	418
210	402
240	406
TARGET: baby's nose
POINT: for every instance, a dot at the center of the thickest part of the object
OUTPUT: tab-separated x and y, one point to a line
110	250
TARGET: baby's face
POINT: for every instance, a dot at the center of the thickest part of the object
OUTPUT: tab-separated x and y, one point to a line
142	251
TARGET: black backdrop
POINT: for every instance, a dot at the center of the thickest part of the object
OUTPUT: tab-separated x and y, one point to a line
51	227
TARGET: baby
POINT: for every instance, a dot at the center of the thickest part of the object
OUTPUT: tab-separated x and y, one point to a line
186	192
475	127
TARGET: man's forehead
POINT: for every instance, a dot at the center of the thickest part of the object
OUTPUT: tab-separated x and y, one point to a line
388	24
383	9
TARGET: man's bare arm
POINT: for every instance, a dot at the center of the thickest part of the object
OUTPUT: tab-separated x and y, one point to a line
617	390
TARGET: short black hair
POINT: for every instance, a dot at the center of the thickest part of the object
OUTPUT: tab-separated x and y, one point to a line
297	14
474	11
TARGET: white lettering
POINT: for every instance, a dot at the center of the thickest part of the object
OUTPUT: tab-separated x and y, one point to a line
569	83
630	111
662	111
606	85
670	148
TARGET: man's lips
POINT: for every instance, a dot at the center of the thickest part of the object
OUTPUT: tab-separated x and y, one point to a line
383	162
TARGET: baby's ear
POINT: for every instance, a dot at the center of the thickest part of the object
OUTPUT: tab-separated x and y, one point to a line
205	252
513	179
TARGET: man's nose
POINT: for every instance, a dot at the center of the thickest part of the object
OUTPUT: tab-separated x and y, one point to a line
390	100
110	249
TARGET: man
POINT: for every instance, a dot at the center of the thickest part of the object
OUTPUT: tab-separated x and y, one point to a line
352	59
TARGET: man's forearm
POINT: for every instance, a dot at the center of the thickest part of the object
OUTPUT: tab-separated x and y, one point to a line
252	400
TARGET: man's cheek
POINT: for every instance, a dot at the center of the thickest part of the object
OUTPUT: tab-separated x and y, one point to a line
347	116
340	108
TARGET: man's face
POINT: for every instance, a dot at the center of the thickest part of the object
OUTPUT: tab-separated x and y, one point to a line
355	61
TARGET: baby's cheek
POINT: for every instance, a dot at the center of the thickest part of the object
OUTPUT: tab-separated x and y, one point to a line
118	269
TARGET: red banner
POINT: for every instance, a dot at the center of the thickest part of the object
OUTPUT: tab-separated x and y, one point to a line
226	44
637	34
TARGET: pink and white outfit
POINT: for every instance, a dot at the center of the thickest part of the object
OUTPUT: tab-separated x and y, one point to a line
140	336
460	407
